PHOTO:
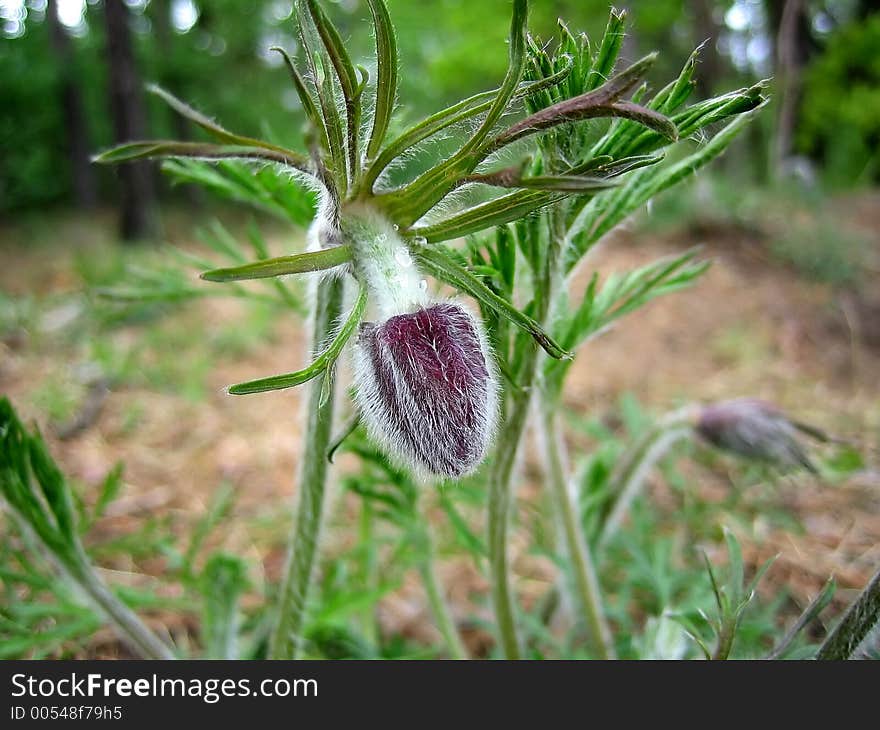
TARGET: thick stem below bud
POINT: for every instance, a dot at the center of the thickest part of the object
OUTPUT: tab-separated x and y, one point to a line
382	261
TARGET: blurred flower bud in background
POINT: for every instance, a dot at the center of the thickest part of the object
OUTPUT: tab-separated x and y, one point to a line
757	430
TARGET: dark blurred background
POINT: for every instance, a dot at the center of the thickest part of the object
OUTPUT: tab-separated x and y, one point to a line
72	74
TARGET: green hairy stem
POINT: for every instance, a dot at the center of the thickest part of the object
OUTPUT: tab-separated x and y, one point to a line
509	436
287	637
77	569
437	602
634	465
585	582
861	618
126	621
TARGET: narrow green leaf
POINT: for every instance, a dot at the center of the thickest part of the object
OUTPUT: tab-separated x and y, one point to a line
305	98
692	632
450	116
641	187
215	130
609	49
495	212
347	76
131	295
109	490
322	82
198	150
54	488
219	239
628	164
318	366
364	80
299	263
446	269
516	61
719	598
218	508
386	80
621	294
673	95
221	584
262	252
196	117
267	188
753	584
462	531
340	438
810	614
412	202
690	164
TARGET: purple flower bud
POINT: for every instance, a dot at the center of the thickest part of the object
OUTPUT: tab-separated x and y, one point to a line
427	390
753	429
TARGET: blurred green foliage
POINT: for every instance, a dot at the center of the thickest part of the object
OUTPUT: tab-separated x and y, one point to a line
841	112
215	54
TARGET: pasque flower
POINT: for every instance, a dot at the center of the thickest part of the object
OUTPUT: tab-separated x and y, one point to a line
755	429
425	381
425	377
426	388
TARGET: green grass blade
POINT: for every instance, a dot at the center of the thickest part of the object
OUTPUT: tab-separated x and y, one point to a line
810	614
221	584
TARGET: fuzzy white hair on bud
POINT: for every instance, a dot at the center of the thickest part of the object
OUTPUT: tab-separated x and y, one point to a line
383	262
428	390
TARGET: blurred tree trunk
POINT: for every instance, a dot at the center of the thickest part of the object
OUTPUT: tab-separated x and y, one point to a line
791	23
137	189
170	79
707	30
82	174
866	7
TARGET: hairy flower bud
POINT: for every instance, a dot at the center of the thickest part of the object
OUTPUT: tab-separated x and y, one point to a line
426	388
755	430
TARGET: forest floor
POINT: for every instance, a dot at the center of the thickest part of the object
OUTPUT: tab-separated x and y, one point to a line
754	325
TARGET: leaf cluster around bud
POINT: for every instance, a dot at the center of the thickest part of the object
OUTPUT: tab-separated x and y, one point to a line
553	92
